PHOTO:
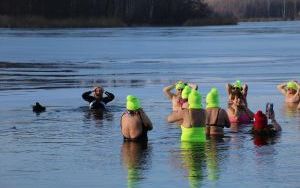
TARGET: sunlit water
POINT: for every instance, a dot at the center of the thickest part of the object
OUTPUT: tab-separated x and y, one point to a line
68	146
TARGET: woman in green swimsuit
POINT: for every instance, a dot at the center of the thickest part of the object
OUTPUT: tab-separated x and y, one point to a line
193	119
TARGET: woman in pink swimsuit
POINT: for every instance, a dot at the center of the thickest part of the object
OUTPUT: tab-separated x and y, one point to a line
238	112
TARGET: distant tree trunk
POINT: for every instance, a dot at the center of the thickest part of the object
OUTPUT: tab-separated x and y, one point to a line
268	8
295	9
283	9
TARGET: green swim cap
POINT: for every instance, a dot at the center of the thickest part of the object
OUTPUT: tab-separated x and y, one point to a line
238	84
195	100
292	85
212	98
133	103
179	85
185	92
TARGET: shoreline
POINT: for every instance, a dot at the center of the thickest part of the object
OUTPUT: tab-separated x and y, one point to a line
40	22
266	19
43	23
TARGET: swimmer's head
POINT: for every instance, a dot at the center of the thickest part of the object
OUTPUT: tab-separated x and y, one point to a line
185	92
98	91
237	98
292	87
212	98
260	121
238	85
133	103
195	100
179	87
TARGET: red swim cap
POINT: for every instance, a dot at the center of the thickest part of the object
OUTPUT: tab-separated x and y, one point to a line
260	121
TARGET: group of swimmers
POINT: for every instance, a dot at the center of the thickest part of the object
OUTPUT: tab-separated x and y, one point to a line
197	123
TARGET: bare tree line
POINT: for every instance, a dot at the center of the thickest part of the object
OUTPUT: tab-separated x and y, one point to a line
286	9
153	12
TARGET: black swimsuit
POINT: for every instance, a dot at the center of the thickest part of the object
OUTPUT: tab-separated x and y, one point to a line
216	122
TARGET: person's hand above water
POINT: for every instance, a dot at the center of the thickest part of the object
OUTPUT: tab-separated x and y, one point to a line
193	86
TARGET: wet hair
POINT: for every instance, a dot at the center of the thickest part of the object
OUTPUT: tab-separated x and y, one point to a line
236	93
132	112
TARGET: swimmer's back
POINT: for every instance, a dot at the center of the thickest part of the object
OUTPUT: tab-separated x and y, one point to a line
131	125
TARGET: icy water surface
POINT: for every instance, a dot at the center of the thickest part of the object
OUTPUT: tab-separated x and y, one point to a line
69	146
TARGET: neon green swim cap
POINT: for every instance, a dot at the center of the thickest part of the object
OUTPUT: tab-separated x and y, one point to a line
185	92
133	103
212	98
238	84
179	85
195	100
292	85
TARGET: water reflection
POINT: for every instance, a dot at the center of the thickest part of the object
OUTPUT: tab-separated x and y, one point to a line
212	158
259	140
98	115
136	158
193	157
200	160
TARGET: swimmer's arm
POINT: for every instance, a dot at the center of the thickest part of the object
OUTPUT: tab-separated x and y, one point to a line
228	89
175	117
276	126
147	122
87	96
298	91
167	91
281	88
298	106
121	124
109	97
296	96
226	119
193	86
245	90
250	113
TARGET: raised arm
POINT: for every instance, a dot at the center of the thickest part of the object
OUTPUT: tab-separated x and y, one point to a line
228	89
245	90
147	122
167	91
109	97
193	86
87	96
281	88
276	126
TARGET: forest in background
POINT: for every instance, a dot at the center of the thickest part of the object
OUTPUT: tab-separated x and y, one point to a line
89	13
251	9
119	13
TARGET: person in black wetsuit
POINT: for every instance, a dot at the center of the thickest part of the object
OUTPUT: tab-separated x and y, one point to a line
134	122
97	101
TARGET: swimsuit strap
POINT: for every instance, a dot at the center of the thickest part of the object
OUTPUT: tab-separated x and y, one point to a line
217	118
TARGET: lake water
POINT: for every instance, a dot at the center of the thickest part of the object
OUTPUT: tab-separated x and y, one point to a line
68	146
